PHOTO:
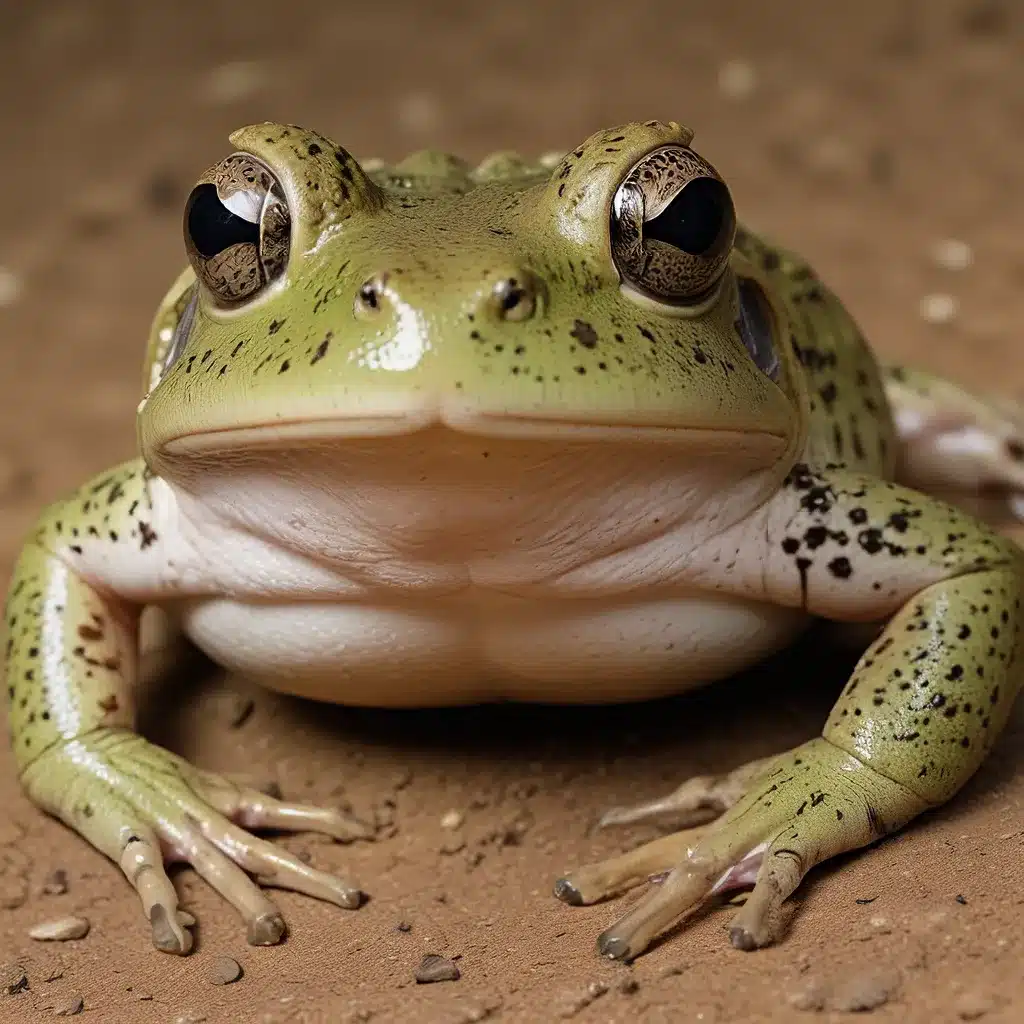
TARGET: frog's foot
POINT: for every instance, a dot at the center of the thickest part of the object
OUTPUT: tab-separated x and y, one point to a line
810	805
143	807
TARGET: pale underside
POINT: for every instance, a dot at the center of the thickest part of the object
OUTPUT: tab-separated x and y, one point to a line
437	568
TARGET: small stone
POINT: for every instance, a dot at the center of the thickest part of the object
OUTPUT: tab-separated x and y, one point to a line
881	925
629	986
63	929
13	979
737	79
864	992
225	970
56	883
10	287
436	968
938	308
403	926
452	819
71	1006
952	254
452	845
961	899
973	1005
190	1018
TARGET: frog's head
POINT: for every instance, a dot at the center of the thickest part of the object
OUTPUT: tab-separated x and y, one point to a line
599	297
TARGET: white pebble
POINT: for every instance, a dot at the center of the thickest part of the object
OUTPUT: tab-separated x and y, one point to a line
10	287
737	79
452	819
938	308
60	930
952	254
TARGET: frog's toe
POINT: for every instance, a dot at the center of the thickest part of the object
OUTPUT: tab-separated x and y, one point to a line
253	808
696	801
596	882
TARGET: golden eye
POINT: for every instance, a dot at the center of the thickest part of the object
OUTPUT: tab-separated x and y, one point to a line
237	229
672	226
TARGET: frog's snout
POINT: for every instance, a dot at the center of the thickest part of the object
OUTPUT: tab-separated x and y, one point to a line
510	294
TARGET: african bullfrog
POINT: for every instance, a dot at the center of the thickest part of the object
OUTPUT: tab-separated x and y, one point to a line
557	430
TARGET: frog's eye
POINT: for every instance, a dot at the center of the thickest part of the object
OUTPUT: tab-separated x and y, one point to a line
237	229
672	226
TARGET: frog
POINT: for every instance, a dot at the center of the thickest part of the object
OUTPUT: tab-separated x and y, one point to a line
434	433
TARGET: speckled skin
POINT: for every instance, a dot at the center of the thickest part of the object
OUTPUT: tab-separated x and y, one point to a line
430	300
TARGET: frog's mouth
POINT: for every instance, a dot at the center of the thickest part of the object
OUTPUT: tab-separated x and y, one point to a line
757	444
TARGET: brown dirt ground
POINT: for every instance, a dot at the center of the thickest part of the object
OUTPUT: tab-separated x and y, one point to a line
875	128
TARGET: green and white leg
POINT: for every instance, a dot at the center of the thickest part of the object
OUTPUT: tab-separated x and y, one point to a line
920	713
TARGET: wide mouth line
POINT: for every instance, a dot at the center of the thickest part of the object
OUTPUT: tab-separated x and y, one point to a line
285	433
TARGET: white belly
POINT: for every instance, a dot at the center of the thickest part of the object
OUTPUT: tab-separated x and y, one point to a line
441	569
480	647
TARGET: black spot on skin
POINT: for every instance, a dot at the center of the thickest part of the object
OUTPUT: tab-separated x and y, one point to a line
858	516
791	545
275	326
284	366
147	535
321	350
840	568
584	333
828	395
314	149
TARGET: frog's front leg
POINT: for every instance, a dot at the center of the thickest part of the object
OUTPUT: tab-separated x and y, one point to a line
71	664
921	711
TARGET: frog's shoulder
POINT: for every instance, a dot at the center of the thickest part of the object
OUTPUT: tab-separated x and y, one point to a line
850	419
435	171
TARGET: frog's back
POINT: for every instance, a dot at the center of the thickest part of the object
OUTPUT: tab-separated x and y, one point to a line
850	419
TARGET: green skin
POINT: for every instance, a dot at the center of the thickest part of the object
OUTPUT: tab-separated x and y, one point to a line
821	529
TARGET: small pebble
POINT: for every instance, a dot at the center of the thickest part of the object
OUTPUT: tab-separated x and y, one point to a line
436	968
973	1005
10	288
71	1006
190	1018
881	925
61	930
629	986
938	308
961	899
224	971
737	79
56	883
952	254
13	979
403	926
453	819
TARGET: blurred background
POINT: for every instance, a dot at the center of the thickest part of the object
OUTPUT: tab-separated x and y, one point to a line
884	139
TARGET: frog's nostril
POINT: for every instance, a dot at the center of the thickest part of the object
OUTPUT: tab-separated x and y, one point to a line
515	298
369	298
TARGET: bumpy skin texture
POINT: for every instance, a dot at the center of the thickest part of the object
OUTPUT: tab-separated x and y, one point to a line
437	300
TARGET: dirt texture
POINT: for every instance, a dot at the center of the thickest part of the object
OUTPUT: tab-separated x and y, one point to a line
862	134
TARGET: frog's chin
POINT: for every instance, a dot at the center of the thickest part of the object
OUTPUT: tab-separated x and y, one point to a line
762	446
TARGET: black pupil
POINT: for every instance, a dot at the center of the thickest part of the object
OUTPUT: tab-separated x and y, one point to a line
213	227
693	220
